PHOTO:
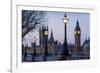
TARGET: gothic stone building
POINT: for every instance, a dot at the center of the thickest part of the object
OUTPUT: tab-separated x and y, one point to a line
51	43
77	33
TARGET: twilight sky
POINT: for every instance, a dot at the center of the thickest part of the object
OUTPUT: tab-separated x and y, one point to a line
54	22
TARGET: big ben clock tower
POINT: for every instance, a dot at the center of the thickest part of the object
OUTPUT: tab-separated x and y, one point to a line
77	33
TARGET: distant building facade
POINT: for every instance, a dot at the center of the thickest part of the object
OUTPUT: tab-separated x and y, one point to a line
80	51
76	51
52	44
86	48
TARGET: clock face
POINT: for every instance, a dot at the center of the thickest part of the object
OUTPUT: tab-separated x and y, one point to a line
77	32
46	33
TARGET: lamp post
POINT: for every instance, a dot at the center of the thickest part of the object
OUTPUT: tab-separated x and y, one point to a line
65	50
25	52
34	47
46	45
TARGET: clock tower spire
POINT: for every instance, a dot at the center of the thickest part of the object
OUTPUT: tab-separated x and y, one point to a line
77	33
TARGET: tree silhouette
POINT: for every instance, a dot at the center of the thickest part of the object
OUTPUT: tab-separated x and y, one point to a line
30	20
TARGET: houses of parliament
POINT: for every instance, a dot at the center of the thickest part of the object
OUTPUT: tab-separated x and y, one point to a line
76	51
51	43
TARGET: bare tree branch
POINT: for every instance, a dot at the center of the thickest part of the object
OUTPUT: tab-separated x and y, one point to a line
30	19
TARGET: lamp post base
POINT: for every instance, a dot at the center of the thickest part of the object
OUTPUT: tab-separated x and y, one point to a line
64	52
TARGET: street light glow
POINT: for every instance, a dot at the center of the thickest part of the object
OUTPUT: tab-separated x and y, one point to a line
65	19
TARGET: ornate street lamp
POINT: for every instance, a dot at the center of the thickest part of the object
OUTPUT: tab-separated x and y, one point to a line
65	50
46	45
